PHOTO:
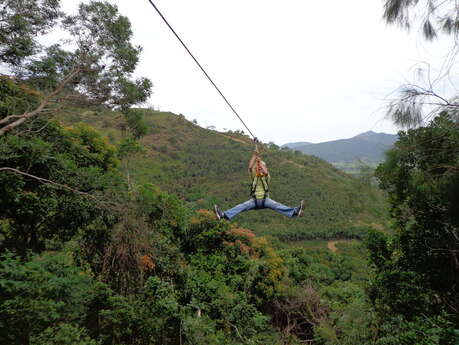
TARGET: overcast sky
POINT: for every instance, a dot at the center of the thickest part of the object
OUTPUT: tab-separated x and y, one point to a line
295	70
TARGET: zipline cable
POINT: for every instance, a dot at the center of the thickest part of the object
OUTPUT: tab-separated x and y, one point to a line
202	69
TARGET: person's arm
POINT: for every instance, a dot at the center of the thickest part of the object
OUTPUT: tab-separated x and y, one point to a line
253	160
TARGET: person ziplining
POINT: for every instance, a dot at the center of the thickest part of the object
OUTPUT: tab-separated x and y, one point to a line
259	193
257	168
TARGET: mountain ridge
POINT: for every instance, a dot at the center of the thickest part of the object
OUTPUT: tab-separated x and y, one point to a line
367	146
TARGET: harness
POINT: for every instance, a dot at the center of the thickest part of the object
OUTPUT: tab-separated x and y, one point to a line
265	185
259	177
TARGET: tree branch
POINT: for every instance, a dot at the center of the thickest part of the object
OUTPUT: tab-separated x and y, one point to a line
45	181
41	107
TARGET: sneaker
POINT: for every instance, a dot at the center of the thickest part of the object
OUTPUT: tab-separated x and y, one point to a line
300	208
219	214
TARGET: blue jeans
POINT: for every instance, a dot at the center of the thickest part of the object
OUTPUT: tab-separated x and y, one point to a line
258	204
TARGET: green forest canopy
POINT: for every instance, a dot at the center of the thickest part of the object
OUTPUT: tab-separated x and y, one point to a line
104	239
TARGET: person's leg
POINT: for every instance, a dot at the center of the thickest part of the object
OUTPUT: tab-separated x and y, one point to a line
245	206
282	209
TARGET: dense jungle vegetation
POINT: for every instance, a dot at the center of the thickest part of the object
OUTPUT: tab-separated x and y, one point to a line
106	235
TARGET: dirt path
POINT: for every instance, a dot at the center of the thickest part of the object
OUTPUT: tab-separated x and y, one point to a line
332	244
294	163
235	139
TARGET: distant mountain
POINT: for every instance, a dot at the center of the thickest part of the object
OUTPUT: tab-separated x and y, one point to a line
369	146
294	146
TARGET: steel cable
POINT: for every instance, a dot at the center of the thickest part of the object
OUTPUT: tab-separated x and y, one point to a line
202	69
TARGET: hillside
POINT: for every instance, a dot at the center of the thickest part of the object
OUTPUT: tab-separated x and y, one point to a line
107	234
368	146
205	167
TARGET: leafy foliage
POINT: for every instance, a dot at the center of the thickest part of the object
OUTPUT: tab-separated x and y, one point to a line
149	270
420	101
39	295
436	15
15	98
417	271
35	213
88	259
95	64
21	23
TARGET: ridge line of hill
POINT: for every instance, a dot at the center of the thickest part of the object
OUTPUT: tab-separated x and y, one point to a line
368	147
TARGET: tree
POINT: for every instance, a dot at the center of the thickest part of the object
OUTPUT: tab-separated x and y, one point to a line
436	15
48	301
56	186
98	69
20	24
298	311
135	123
39	295
129	149
420	101
417	270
